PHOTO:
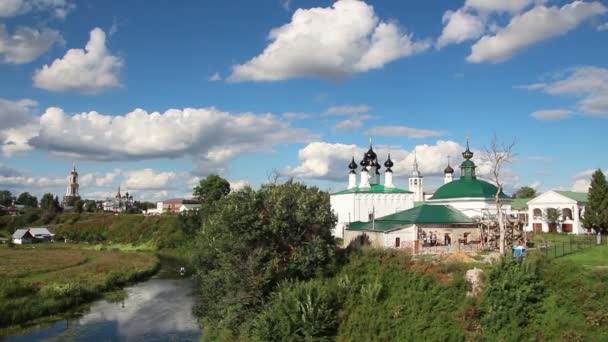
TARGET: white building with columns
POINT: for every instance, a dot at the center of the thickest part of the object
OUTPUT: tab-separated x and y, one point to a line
569	204
370	199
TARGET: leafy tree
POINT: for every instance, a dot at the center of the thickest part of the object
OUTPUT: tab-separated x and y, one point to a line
596	211
211	189
89	206
525	192
253	240
27	200
6	198
47	203
79	205
552	216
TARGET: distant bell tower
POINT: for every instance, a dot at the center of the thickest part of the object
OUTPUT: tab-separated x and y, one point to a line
416	182
72	190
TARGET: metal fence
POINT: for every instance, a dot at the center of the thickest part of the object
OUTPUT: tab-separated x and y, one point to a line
556	249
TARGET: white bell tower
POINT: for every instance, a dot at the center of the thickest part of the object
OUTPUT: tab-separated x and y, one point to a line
416	182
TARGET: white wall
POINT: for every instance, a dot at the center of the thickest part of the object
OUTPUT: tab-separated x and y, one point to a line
474	207
552	199
353	207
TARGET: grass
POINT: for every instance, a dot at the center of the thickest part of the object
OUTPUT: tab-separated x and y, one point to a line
595	256
52	278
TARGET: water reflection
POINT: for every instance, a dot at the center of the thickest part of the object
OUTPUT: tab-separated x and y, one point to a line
156	310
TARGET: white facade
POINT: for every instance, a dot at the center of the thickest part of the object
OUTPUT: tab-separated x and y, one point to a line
416	183
475	207
351	207
401	237
570	220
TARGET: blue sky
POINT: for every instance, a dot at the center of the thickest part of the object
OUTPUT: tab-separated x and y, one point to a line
245	88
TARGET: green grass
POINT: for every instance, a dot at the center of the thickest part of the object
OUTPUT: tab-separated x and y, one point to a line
45	280
594	256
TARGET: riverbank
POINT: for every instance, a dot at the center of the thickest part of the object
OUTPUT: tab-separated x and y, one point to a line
42	280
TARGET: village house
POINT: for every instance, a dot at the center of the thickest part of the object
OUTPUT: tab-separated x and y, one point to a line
32	235
569	204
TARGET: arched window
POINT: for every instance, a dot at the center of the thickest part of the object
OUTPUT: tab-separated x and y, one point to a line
537	213
567	214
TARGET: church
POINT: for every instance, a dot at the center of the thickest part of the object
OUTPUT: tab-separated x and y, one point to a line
72	190
394	217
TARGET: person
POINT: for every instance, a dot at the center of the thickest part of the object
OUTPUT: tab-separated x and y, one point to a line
433	239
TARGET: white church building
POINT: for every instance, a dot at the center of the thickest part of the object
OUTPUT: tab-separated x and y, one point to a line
367	206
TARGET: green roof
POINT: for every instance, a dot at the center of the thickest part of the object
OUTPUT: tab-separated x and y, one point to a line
577	196
191	206
467	187
520	203
424	214
376	188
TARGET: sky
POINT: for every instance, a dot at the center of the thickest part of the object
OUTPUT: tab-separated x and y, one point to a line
153	96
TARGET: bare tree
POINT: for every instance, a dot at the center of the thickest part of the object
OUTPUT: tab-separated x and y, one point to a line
499	154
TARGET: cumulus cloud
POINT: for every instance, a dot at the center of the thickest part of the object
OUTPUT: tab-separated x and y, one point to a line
30	182
26	43
603	27
238	184
58	8
588	83
552	114
215	77
538	24
510	6
296	116
459	27
90	71
329	161
102	180
18	125
149	179
347	110
404	131
332	42
207	134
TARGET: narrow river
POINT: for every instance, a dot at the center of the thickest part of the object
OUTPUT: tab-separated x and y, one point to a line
159	309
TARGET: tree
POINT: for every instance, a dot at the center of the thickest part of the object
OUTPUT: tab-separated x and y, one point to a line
6	198
525	192
50	204
499	154
90	206
552	216
596	211
27	200
253	240
78	205
211	189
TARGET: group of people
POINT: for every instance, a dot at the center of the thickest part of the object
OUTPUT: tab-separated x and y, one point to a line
430	239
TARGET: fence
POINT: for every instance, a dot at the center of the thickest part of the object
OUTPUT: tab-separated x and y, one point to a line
556	249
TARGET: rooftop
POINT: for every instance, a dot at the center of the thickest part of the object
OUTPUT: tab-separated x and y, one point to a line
467	188
376	188
577	196
423	214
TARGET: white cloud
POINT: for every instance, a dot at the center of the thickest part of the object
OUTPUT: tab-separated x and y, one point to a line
347	110
26	43
588	83
459	27
90	71
207	134
538	24
18	125
349	124
581	185
603	27
404	131
332	42
552	114
510	6
544	159
98	179
296	116
149	179
215	77
329	161
12	8
238	184
30	182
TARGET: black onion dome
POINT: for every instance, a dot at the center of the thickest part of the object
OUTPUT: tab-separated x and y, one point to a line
352	165
364	162
448	169
389	163
370	154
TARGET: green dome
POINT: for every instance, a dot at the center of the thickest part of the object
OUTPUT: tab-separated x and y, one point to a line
467	163
466	187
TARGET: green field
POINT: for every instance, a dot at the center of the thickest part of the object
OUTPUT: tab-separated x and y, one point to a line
39	280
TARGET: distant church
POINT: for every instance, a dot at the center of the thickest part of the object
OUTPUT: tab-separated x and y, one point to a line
72	191
393	217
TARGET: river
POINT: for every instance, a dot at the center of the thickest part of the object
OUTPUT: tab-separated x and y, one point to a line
159	309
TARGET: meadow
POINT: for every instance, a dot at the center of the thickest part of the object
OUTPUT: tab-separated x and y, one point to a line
40	280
